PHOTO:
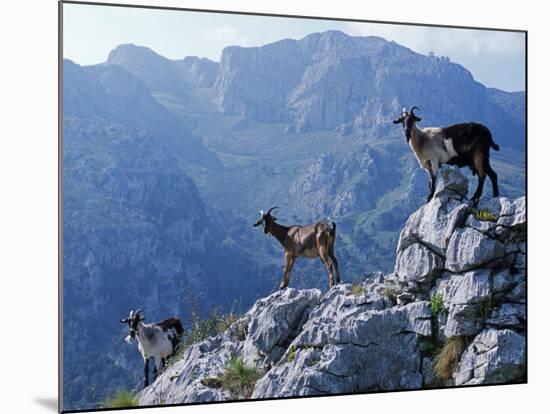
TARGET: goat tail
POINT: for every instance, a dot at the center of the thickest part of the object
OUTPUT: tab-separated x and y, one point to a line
493	144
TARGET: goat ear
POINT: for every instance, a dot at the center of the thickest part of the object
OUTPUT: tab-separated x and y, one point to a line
417	119
124	320
398	120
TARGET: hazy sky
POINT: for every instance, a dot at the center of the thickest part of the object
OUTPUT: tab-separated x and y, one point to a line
90	32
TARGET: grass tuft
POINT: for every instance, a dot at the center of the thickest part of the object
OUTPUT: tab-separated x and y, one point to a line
202	327
357	289
437	304
239	379
121	399
484	215
292	353
447	360
390	293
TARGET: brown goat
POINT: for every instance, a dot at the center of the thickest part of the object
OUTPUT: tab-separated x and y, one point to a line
311	241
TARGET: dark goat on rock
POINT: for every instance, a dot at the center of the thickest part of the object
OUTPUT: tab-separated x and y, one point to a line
155	340
311	241
464	145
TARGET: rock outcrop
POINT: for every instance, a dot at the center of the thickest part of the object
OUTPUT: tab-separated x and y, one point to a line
460	273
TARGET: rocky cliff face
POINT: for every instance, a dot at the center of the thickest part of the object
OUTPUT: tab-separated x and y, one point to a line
452	313
336	187
331	81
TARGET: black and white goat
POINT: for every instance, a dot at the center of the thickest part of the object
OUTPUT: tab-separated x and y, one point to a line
464	145
155	340
311	241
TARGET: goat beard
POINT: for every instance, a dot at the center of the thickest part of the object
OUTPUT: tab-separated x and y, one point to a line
130	338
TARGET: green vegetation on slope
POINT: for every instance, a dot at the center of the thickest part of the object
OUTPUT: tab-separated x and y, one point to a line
121	399
238	378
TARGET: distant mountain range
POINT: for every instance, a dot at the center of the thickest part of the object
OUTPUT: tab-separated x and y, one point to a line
331	80
167	163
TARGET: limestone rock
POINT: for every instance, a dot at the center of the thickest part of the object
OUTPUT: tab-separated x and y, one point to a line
274	321
495	356
455	275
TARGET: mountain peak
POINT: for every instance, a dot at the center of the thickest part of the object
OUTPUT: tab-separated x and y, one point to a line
158	73
131	51
333	34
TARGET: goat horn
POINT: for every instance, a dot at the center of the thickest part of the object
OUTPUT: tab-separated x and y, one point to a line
138	312
270	210
411	111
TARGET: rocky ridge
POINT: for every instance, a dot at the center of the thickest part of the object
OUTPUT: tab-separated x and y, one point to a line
332	81
459	278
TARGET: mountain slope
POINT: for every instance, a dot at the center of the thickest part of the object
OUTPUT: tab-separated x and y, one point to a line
513	103
109	92
136	234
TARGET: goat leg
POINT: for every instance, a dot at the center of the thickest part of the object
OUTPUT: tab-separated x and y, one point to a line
479	190
323	255
330	270
289	262
146	372
431	188
494	179
431	168
335	263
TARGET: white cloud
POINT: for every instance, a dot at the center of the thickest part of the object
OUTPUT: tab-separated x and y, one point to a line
495	58
227	35
445	40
